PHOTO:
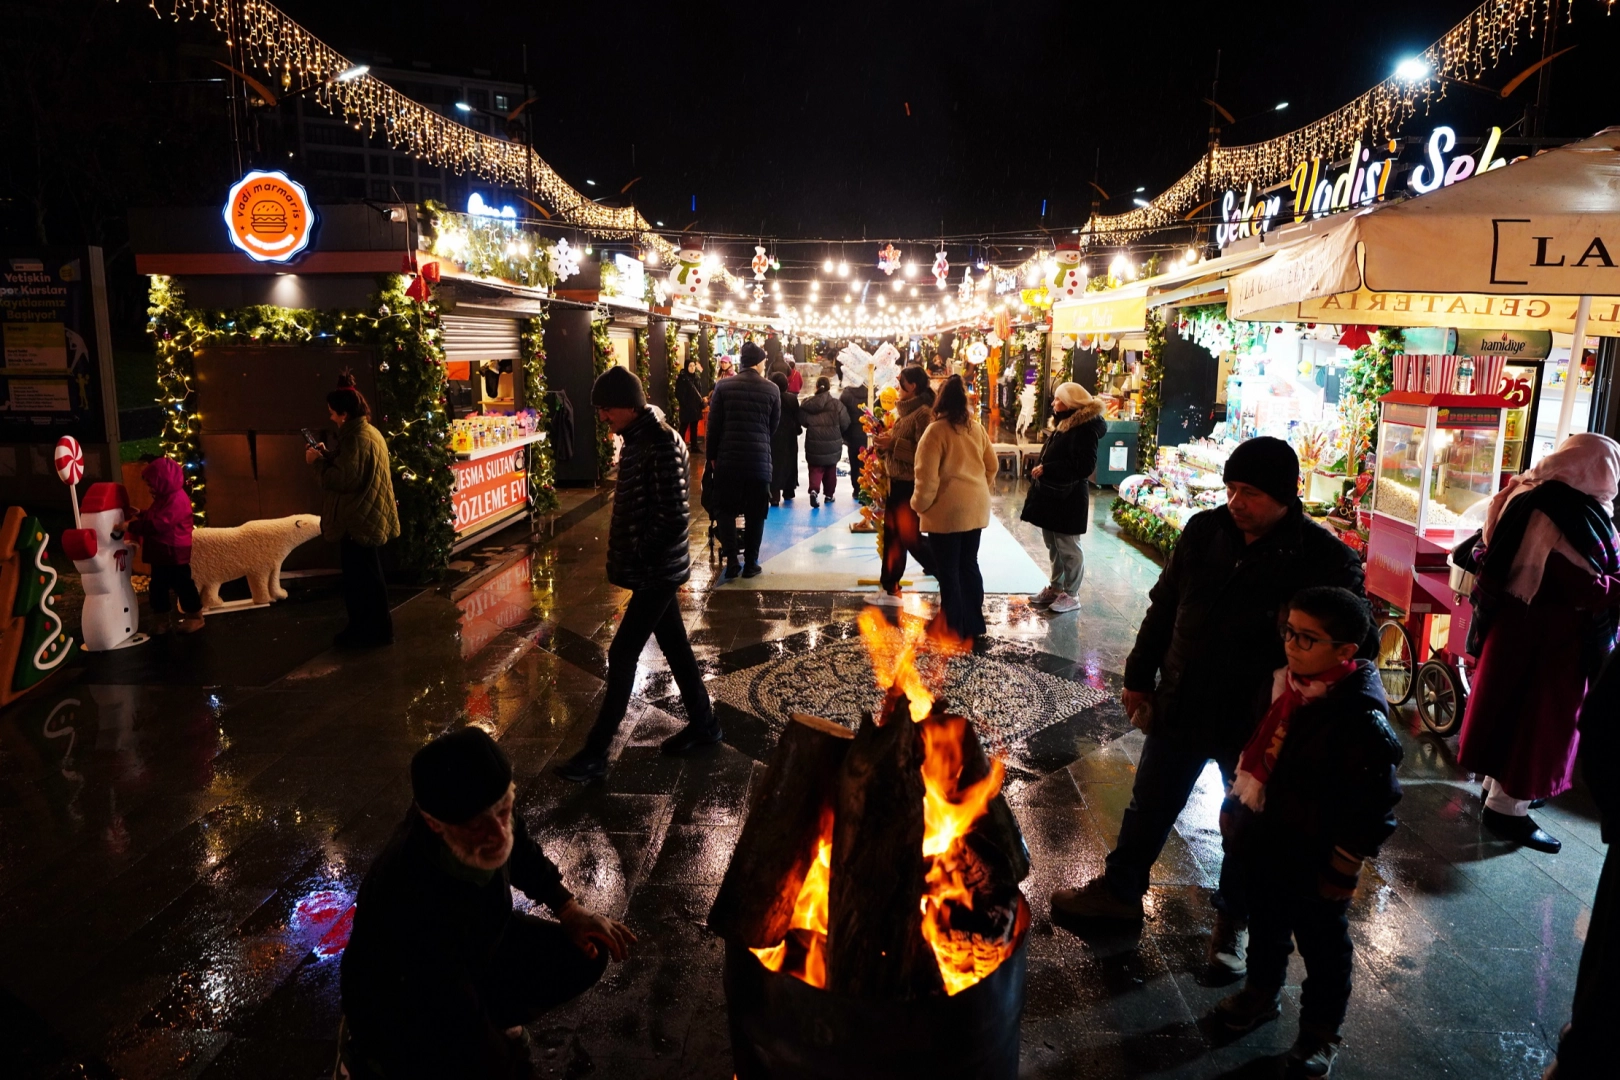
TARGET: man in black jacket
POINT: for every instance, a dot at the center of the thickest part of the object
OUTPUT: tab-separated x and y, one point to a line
649	554
1209	641
440	974
744	411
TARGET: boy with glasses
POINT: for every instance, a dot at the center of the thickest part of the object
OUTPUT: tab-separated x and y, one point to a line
1313	798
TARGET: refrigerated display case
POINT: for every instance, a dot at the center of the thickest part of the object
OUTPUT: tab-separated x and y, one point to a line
1521	385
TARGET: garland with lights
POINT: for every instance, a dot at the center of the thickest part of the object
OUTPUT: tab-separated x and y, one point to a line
410	390
1147	428
601	360
672	362
1369	376
1145	526
643	360
542	457
706	352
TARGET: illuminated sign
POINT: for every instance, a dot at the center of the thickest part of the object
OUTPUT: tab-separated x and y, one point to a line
632	276
268	215
477	207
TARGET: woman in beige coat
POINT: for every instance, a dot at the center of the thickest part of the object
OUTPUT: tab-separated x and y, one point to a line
953	470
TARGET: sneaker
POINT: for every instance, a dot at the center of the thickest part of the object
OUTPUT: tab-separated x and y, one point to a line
884	599
830	498
815	500
583	767
753	569
1247	1009
1064	603
1312	1053
1045	596
1094	900
692	736
1228	953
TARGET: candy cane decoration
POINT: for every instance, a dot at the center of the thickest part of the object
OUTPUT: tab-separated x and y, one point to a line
70	468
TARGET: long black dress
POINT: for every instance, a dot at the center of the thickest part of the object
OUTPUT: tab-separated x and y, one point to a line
785	450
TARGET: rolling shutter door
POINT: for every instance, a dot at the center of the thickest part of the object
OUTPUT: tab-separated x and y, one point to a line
470	338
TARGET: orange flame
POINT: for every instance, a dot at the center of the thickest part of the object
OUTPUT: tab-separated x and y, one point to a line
809	914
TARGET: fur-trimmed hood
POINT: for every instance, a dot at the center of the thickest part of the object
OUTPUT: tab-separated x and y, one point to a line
1084	414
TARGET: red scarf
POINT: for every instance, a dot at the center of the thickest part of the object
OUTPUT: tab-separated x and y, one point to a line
1289	692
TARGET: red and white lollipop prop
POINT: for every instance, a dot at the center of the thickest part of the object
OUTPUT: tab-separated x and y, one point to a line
70	467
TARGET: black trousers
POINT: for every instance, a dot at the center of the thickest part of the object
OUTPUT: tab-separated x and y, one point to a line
749	500
1165	777
961	587
652	612
365	593
535	970
1585	1052
175	579
1285	908
902	535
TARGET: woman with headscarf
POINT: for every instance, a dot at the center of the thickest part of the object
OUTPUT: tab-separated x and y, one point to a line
1544	622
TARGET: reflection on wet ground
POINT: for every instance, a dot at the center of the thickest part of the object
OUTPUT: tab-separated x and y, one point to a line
179	856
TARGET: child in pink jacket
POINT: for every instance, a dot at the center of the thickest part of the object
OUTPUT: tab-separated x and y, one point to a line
164	531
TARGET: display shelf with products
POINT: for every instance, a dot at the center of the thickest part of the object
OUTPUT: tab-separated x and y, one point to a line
473	437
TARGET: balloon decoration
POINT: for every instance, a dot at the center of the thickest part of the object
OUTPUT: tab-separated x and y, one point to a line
688	276
888	259
978	352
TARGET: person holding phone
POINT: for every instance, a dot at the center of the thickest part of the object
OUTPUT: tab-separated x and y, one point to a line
358	513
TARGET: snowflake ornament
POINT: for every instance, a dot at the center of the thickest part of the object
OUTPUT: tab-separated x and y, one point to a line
888	259
564	259
942	268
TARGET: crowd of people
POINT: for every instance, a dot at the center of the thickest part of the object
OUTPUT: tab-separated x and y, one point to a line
1257	652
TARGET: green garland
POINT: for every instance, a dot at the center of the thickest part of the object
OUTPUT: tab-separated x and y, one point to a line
1147	528
490	247
1147	428
672	362
705	348
1371	371
643	360
410	389
542	456
601	360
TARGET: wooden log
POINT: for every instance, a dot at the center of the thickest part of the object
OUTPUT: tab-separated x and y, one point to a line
779	839
996	834
875	947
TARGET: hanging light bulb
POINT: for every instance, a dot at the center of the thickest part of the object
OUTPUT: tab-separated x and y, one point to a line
827	266
843	269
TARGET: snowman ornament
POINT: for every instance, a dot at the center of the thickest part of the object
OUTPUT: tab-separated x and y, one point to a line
98	550
1067	281
688	277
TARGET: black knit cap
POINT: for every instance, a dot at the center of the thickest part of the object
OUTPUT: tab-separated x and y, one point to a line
460	775
1268	464
750	355
618	388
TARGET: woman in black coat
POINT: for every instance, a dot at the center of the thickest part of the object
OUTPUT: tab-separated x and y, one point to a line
1059	501
825	420
785	445
690	396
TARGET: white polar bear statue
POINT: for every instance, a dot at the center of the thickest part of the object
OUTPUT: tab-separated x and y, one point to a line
253	550
103	558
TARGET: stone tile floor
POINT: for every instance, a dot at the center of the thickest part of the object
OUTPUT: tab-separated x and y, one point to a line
177	860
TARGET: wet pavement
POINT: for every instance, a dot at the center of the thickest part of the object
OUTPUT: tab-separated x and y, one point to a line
182	835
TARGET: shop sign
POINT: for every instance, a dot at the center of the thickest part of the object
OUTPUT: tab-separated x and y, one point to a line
52	310
268	215
1118	311
1465	311
1315	189
490	488
1513	344
1468	418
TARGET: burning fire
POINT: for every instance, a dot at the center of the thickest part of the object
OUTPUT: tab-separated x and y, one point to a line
949	812
810	916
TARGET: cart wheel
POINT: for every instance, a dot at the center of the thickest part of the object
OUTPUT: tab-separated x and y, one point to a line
1439	698
1396	662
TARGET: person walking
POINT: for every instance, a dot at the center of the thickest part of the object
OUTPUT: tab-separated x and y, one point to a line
690	397
440	974
902	529
164	530
1545	605
744	411
649	554
1059	499
1196	679
785	445
358	513
855	397
954	467
824	421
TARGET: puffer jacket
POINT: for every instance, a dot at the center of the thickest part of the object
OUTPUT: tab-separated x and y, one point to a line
1210	633
164	529
647	538
743	412
824	419
899	461
854	398
1333	784
1061	499
359	490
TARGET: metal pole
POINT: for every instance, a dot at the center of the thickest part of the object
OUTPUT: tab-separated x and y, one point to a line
1572	378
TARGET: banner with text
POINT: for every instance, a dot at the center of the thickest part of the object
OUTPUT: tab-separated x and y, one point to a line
490	488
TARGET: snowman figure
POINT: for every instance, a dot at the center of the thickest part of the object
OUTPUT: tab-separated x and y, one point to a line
1067	281
111	613
688	276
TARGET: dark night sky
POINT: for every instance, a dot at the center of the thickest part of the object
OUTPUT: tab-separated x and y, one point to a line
793	122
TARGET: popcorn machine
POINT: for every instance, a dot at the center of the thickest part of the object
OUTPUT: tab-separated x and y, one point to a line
1439	461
